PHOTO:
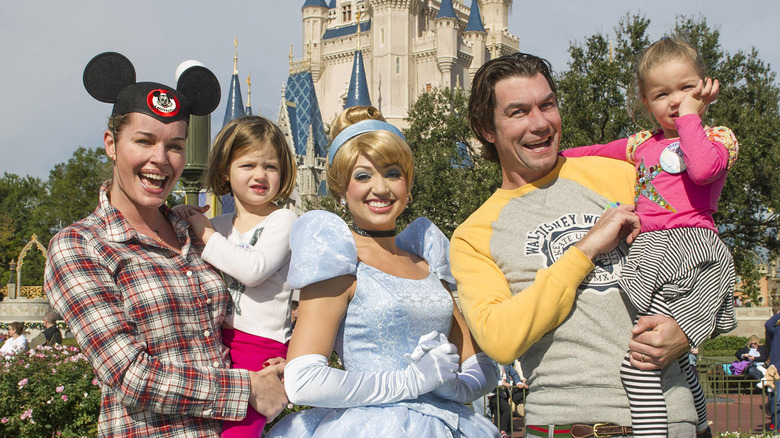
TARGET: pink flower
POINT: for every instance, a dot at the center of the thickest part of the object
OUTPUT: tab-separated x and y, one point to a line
94	382
26	414
60	389
22	383
65	397
4	420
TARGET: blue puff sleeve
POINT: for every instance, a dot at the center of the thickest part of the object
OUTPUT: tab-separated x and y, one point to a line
426	240
322	247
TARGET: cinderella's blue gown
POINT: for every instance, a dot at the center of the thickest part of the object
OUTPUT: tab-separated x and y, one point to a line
384	322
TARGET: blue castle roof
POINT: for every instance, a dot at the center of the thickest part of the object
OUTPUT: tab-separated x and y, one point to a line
305	112
332	4
358	86
475	19
320	3
235	104
351	29
446	10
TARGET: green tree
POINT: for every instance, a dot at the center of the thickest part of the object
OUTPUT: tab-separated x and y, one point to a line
596	94
74	186
451	178
21	199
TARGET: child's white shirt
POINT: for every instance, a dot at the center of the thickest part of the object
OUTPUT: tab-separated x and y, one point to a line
256	274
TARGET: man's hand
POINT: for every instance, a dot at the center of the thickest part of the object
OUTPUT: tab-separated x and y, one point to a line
615	224
267	394
656	342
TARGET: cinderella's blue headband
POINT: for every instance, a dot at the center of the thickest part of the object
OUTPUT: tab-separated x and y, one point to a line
357	129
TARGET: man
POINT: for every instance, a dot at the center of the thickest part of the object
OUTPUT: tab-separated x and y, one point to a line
51	332
537	265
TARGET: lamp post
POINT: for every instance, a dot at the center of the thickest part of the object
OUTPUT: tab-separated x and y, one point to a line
12	280
197	149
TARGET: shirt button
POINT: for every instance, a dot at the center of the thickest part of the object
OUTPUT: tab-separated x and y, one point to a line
216	364
207	412
208	300
207	333
189	273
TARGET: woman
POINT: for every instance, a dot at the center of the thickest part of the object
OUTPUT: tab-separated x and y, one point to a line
16	342
755	354
382	301
129	280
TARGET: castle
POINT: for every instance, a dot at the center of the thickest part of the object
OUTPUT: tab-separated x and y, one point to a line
379	52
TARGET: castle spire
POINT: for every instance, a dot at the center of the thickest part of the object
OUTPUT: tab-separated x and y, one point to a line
358	85
446	10
235	55
475	19
248	111
235	104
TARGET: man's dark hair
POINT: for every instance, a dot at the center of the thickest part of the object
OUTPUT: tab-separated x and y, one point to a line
482	102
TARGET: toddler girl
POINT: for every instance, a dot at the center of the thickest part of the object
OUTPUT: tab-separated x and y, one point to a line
677	266
251	160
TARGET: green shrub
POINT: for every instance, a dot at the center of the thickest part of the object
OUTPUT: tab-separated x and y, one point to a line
729	344
48	392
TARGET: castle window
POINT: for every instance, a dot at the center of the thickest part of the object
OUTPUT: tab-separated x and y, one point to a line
346	13
397	65
382	36
428	88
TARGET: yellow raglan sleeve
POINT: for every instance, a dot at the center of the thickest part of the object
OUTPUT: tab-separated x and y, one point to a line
506	325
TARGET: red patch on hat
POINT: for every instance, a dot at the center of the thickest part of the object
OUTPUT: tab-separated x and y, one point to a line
163	103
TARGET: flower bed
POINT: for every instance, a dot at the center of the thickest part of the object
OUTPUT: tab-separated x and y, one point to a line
48	392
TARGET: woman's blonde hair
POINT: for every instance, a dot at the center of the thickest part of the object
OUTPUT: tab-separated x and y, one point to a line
753	339
382	147
239	137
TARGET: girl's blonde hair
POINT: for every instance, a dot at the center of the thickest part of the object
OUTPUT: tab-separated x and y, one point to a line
239	137
383	148
660	52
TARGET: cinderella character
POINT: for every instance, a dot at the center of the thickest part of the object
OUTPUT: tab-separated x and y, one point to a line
382	301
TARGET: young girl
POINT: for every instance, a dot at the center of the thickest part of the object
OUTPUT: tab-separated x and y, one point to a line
381	301
677	266
250	159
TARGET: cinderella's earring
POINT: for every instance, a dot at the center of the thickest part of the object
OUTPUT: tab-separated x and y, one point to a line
343	203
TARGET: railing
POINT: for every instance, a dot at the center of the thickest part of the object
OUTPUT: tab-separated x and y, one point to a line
734	403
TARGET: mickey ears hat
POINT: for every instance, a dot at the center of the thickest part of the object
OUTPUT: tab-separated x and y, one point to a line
110	77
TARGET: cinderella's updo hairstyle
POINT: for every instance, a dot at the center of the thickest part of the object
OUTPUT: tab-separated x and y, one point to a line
382	147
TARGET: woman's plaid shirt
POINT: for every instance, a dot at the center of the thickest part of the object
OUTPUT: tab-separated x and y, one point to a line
149	321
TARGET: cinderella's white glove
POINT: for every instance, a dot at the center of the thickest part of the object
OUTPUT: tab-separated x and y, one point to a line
309	380
476	378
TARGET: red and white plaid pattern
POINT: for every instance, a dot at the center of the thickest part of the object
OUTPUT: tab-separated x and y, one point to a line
149	321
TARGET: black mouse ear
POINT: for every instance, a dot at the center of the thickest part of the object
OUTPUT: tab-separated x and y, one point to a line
201	88
107	74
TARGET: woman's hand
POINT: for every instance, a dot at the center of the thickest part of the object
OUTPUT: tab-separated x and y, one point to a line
267	394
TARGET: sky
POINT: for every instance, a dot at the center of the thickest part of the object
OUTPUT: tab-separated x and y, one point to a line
45	113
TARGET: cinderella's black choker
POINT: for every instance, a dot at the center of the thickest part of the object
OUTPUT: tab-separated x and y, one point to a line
372	233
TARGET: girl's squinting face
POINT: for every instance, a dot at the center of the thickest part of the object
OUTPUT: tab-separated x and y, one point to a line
665	87
376	195
255	178
149	158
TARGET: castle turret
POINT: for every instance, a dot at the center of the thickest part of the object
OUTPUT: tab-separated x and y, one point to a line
235	104
495	14
315	19
446	41
357	94
476	35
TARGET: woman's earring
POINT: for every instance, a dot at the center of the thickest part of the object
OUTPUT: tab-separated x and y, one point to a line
343	203
409	198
